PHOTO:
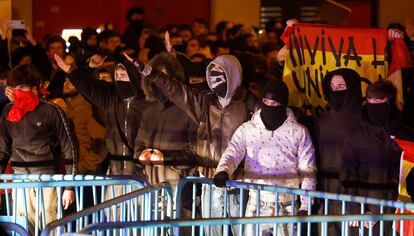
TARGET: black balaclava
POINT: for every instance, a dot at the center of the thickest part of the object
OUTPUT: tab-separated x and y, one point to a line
218	82
337	99
124	89
379	113
274	117
348	99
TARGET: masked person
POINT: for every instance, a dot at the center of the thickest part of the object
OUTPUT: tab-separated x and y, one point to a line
31	132
123	107
371	158
342	88
277	150
217	113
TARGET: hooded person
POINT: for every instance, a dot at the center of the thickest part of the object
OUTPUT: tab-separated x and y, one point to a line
88	47
276	150
123	105
165	140
135	17
342	88
217	113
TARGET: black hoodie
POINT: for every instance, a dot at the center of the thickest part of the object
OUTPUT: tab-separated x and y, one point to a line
122	116
335	124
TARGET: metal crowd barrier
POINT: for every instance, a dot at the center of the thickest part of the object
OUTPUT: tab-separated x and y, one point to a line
241	220
13	229
88	189
153	203
322	216
154	222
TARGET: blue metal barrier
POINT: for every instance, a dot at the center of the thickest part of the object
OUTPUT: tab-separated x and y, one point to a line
40	187
242	220
255	192
153	203
11	228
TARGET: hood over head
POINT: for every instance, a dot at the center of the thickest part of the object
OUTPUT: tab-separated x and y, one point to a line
233	76
352	96
124	89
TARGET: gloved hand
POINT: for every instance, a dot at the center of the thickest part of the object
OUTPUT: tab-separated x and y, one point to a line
220	179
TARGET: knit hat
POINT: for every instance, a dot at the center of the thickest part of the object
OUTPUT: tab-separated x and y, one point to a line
276	90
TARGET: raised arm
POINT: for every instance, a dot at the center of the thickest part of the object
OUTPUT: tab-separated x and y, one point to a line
91	89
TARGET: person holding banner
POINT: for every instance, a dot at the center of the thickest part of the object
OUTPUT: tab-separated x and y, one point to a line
371	158
342	88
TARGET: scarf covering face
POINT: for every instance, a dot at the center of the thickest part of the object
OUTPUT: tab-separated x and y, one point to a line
378	114
24	102
337	99
219	83
124	89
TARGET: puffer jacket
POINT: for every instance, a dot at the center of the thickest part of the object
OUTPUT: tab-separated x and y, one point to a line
34	144
216	124
122	116
284	157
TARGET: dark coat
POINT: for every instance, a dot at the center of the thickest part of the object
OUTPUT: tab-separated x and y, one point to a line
122	116
334	125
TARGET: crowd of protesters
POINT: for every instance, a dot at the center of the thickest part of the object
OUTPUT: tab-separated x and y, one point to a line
163	104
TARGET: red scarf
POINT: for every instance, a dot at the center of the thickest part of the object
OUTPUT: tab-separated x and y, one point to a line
24	101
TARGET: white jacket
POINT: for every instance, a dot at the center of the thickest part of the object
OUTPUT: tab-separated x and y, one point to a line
284	157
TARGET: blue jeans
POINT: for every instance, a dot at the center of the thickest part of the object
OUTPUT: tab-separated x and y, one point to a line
214	208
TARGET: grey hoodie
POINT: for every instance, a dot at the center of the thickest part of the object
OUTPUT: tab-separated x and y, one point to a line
233	70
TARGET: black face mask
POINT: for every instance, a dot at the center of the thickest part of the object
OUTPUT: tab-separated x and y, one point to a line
124	89
218	83
273	117
337	99
378	114
137	23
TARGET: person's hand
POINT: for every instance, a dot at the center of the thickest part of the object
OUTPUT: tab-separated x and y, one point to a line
395	34
353	223
29	37
167	42
128	57
138	64
220	179
96	61
291	22
67	198
157	157
4	30
9	93
282	55
366	223
61	63
145	156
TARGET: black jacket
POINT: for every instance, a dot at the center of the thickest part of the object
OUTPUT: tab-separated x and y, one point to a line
167	128
370	164
334	125
34	144
122	116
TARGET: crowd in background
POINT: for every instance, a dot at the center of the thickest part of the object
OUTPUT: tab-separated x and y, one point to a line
165	103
